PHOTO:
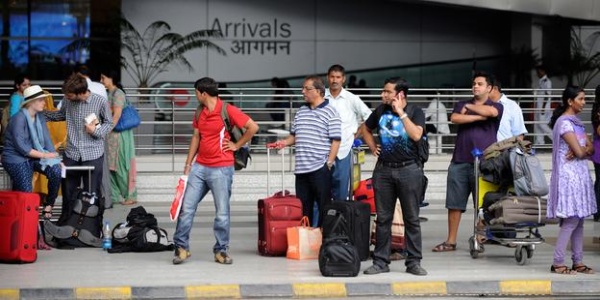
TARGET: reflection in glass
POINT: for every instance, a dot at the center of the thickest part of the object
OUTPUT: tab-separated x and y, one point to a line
55	24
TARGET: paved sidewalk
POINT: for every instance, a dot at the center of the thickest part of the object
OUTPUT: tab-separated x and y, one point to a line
92	273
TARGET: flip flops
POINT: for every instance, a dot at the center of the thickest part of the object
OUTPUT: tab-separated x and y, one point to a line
562	270
583	269
444	247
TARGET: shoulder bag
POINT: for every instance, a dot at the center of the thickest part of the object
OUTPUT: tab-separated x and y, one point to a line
129	119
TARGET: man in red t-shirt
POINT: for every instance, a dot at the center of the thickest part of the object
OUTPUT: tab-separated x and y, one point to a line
211	170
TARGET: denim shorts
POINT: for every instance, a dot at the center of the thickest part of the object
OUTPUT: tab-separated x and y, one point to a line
459	184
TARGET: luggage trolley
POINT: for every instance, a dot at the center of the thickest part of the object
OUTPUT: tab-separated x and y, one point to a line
527	234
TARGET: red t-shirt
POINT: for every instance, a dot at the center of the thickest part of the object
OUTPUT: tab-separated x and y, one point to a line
212	131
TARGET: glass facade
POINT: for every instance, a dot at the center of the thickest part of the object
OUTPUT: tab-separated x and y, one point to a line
46	38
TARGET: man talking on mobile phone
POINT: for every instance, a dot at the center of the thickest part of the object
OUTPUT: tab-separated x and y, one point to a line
398	173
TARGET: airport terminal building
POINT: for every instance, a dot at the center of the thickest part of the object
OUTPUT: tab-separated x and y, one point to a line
432	43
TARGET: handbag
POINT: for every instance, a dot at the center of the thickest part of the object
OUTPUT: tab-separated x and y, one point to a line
304	242
129	119
241	158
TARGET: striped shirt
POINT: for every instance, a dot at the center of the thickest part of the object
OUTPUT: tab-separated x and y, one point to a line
82	146
314	130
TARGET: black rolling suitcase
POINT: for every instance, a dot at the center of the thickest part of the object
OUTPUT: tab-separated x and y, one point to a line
357	216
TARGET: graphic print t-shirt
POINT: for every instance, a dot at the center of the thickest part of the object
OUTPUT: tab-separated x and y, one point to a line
396	145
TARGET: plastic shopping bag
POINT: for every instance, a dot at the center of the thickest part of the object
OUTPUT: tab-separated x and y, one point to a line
304	242
397	229
178	200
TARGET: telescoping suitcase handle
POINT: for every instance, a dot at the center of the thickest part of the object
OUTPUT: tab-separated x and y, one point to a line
81	168
269	170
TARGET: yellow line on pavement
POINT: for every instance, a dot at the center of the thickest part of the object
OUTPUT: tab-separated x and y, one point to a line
319	289
419	288
213	291
103	293
9	294
526	287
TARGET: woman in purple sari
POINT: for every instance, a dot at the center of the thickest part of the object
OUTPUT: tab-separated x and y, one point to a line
571	197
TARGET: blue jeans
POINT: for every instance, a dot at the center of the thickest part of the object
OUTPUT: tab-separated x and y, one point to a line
404	183
202	179
314	187
340	178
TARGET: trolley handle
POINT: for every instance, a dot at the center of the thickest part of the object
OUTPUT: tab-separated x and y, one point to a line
82	168
269	169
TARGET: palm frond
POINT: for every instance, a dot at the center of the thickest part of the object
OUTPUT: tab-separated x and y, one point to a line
158	26
590	42
152	52
127	29
204	34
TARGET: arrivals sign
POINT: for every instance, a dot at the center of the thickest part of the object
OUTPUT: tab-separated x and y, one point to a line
272	37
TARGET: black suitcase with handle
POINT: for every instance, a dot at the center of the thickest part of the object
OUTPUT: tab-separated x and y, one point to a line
357	218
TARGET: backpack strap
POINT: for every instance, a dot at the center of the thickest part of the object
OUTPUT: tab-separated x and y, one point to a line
340	221
225	116
234	132
409	110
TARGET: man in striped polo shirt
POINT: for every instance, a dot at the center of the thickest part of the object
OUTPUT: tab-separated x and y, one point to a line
316	132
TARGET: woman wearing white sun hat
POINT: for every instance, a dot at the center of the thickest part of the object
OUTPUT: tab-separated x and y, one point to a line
28	148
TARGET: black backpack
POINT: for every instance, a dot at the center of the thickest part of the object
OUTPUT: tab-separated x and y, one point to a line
423	144
82	226
422	151
140	234
338	257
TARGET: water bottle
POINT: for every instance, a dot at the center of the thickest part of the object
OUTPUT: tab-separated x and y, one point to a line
106	236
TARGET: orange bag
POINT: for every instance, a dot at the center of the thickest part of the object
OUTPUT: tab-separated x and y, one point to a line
304	242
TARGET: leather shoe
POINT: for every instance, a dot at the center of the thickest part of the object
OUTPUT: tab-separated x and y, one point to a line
376	269
416	270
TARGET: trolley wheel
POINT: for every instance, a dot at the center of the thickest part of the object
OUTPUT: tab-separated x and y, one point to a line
530	249
522	255
474	253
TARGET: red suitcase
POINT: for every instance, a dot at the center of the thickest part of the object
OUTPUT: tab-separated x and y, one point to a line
19	215
275	215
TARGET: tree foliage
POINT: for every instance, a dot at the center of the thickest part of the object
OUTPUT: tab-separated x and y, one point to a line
145	55
584	61
521	61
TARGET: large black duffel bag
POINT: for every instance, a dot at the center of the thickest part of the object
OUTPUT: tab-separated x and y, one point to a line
338	256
